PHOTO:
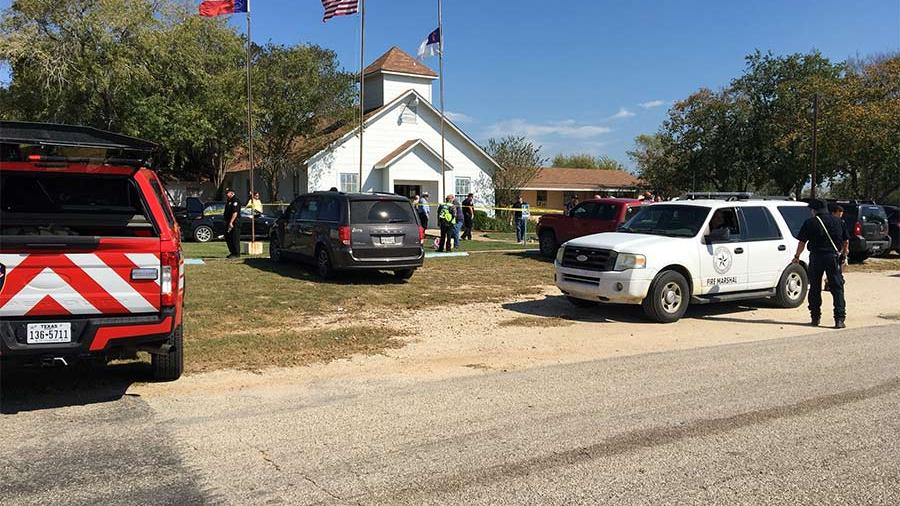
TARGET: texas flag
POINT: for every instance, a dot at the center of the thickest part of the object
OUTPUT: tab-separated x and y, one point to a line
210	8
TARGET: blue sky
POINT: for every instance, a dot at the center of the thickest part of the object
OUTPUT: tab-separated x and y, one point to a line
584	75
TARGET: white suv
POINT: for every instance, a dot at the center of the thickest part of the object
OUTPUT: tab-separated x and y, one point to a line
676	253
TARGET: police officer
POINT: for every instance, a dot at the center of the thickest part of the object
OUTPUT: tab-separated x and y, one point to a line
232	217
825	236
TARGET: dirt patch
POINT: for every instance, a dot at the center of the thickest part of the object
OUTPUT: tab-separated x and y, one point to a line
886	264
895	317
536	321
255	351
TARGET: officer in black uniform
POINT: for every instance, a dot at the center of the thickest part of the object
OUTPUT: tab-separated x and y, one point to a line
232	217
824	235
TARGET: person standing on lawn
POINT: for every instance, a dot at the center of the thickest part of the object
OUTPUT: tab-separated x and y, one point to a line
468	216
423	210
822	233
457	227
446	217
573	202
255	203
232	218
520	217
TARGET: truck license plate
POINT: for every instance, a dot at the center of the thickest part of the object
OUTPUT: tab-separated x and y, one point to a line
43	333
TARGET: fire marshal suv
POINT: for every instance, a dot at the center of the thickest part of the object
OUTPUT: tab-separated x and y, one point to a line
670	255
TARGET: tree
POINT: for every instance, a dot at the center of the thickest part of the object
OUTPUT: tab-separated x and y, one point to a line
658	166
149	68
779	91
586	161
297	91
519	160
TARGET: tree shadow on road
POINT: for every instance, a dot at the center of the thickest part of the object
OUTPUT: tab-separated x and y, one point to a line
32	389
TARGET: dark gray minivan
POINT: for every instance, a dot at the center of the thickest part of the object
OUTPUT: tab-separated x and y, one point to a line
347	231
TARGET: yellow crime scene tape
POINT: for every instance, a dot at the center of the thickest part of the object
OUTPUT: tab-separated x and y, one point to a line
532	210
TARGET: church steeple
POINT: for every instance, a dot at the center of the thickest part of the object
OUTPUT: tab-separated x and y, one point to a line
393	74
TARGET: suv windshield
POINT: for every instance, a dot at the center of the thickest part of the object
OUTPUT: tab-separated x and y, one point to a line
668	220
381	211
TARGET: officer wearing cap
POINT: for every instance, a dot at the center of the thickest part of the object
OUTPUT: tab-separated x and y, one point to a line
232	217
824	235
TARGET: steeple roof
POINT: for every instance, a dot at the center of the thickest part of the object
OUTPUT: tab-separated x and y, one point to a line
397	60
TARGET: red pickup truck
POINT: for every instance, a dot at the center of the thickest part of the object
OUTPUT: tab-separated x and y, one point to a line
589	217
90	253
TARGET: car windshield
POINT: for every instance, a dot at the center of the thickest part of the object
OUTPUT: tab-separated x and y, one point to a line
668	220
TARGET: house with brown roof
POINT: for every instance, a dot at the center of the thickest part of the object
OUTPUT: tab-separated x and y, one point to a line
401	144
553	187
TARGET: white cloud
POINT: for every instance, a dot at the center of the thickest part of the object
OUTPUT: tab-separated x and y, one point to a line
623	113
458	117
566	128
652	103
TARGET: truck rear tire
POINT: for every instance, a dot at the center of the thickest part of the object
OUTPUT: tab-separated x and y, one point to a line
547	242
169	366
792	287
668	298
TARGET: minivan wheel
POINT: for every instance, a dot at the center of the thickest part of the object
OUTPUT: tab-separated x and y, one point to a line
547	241
203	234
275	253
323	264
668	298
792	287
404	273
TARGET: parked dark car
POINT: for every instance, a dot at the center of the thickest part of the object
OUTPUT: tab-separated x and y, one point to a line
203	221
868	227
348	231
893	216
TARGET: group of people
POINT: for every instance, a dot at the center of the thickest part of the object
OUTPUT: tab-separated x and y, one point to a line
455	219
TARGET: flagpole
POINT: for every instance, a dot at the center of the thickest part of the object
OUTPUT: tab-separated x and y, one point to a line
362	88
441	79
250	131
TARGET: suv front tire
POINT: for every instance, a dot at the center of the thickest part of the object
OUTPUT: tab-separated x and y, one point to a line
668	298
792	287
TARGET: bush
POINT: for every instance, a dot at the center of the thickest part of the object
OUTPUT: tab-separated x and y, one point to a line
485	223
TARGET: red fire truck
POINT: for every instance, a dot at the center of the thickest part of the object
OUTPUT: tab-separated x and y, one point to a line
90	252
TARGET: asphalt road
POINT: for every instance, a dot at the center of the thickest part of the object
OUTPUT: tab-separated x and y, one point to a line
808	420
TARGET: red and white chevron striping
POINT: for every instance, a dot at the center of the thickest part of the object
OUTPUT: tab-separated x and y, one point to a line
78	284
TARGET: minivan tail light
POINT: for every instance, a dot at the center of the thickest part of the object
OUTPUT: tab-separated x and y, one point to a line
421	235
171	277
344	235
857	229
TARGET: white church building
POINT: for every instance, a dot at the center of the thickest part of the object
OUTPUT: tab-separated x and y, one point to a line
401	144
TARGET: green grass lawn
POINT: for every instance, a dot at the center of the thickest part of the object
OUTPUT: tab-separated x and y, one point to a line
252	313
218	249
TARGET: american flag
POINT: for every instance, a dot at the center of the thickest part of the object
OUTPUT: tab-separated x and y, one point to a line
339	8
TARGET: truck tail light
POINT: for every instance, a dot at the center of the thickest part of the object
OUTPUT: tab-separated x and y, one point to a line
857	229
344	235
169	283
421	235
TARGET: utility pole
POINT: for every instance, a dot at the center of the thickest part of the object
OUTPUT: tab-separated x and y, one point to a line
815	117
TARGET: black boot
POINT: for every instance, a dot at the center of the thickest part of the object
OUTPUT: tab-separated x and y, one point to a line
815	320
839	323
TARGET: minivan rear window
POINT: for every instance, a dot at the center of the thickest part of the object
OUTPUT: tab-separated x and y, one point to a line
795	217
381	211
61	204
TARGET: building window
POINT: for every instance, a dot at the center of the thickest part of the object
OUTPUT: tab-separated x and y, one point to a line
349	182
463	187
541	198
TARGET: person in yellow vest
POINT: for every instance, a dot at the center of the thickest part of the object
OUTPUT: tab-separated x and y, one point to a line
446	215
